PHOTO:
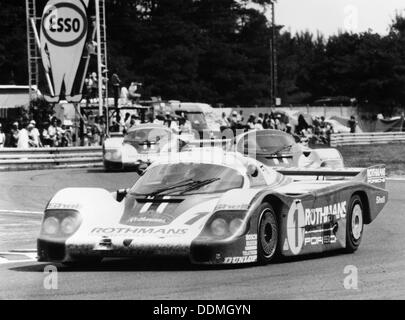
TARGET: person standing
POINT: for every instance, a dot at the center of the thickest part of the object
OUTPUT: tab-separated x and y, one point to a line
2	137
116	84
15	131
352	124
23	138
34	135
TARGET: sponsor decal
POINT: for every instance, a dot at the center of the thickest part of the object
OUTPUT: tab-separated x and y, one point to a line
301	223
236	260
221	207
295	227
322	240
63	206
251	245
380	200
143	219
64	29
376	175
323	215
139	231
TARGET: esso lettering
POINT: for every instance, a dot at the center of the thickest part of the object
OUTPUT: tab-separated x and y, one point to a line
64	24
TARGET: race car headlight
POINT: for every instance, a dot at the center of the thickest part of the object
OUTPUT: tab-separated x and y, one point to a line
112	154
69	225
226	224
60	224
235	225
50	226
219	227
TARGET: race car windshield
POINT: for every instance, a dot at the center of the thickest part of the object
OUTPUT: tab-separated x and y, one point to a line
147	135
265	143
186	178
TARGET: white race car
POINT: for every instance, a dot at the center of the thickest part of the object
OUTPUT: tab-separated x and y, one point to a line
140	147
214	208
279	149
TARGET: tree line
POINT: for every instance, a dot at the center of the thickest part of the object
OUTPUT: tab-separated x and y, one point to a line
218	51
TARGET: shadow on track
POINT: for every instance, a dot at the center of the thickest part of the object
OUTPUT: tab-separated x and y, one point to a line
163	265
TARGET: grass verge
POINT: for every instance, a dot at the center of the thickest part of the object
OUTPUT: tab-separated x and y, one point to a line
392	155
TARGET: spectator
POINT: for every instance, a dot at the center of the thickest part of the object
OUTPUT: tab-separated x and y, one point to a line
241	117
2	137
352	124
132	92
94	85
266	121
259	124
277	122
89	88
52	134
34	134
32	142
251	121
160	120
225	123
185	126
116	84
15	132
23	138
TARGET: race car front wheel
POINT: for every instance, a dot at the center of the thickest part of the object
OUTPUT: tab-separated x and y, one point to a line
354	224
268	233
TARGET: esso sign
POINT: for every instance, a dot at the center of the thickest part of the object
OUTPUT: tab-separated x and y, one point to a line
64	24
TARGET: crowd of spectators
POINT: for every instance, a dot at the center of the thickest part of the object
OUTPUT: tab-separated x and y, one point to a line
318	131
92	129
26	134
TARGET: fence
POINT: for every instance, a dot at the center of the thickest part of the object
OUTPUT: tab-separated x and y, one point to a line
346	139
50	158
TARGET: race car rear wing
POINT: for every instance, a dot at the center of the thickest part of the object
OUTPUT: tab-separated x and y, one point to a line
375	175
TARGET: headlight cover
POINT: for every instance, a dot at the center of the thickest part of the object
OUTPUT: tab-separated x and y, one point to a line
226	224
60	224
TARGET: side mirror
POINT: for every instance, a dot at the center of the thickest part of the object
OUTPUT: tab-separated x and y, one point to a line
122	194
252	171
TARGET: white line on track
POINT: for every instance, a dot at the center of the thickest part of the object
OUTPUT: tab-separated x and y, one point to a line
22	212
396	179
26	255
5	261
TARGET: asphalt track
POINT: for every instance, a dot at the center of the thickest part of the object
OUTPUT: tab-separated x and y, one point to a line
23	195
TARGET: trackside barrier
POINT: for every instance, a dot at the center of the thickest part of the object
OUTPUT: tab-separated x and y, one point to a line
50	158
348	139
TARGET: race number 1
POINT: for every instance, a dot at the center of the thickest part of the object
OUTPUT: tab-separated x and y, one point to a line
295	227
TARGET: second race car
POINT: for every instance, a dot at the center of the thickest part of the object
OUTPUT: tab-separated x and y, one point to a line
276	148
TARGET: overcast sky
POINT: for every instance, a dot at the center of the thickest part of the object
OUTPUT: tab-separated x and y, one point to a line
328	16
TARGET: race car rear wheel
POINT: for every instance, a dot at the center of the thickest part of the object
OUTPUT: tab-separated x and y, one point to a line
354	224
268	233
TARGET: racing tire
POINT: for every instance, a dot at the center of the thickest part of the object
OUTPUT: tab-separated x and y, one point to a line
268	234
354	224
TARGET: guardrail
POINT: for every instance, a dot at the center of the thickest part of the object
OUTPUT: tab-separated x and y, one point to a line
50	158
346	139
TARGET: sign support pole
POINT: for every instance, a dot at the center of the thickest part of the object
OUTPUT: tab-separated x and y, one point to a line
99	60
